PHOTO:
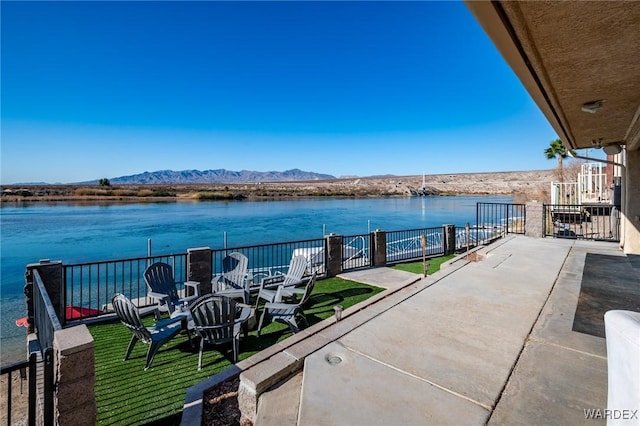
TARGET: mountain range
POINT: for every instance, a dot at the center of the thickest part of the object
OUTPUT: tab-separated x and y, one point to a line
163	177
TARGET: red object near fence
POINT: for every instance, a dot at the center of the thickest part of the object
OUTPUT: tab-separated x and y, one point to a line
73	312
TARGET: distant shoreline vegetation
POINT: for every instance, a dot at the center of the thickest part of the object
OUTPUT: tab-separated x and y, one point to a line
523	186
133	194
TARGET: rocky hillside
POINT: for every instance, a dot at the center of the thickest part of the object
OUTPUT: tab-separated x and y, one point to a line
526	185
170	177
523	186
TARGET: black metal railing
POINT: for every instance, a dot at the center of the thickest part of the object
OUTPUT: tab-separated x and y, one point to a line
503	217
48	380
7	373
267	259
90	286
46	321
407	244
356	251
580	221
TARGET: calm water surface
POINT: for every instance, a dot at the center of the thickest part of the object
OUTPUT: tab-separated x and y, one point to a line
80	233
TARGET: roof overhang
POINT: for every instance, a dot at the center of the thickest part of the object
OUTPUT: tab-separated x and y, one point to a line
579	61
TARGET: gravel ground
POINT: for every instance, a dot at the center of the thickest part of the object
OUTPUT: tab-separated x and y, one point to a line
19	399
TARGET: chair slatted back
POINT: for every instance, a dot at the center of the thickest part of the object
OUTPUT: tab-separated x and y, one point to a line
297	268
128	314
159	278
214	318
234	270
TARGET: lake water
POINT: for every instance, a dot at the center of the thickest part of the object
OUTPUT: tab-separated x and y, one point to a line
77	233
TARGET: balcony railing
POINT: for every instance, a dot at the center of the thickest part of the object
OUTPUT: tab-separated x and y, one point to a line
408	244
356	251
267	259
503	217
90	286
588	222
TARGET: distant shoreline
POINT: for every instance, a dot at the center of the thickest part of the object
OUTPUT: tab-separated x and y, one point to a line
525	186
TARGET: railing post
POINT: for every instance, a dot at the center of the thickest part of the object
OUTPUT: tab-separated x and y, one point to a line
48	385
73	397
33	377
333	254
51	274
506	207
477	227
449	240
28	295
379	247
199	268
534	224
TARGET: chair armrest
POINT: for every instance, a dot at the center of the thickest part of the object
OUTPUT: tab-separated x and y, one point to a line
271	281
195	285
187	300
300	282
214	282
245	312
283	292
156	295
165	322
287	292
214	327
276	305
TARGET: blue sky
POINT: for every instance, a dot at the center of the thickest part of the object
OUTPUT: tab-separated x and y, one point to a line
106	89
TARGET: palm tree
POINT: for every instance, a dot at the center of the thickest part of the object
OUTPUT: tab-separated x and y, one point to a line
558	150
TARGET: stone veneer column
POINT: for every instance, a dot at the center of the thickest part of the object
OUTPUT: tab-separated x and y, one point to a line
51	274
333	254
199	268
631	206
534	221
74	398
379	248
449	238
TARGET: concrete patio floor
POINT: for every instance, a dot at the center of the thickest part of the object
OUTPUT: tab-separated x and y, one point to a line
489	342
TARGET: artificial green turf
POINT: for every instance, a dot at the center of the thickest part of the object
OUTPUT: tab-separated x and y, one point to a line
128	395
418	268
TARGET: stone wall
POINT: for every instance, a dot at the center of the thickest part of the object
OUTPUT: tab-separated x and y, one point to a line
534	225
74	399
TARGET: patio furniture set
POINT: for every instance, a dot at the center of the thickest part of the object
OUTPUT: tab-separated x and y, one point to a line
219	317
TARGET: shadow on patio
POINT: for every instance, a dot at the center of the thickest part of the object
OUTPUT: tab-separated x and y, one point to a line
512	339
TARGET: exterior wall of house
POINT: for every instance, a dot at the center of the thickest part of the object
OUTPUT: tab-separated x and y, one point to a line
631	206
